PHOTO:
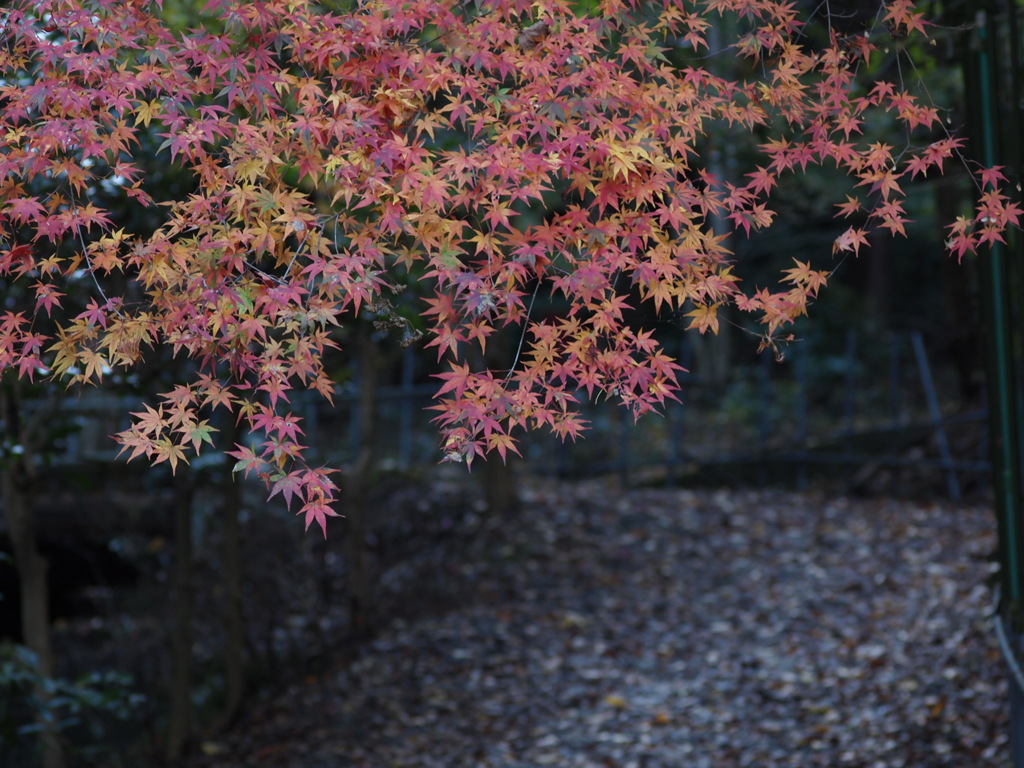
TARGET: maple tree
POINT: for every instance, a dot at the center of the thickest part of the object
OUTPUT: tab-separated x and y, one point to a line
490	152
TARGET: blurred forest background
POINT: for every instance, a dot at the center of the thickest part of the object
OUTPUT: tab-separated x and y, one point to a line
176	600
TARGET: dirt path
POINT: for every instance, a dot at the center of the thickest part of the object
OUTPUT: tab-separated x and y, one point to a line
667	629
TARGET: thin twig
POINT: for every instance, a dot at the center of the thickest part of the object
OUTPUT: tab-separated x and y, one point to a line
88	263
522	337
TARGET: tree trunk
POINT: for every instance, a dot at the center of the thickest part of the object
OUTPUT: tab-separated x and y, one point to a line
878	281
17	485
360	578
500	491
501	495
179	724
234	620
962	306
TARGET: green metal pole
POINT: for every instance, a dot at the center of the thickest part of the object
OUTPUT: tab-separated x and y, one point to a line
1001	418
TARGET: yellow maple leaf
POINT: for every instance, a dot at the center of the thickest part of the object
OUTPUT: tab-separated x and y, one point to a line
146	111
705	318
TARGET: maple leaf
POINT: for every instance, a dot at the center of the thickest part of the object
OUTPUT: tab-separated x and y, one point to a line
418	146
502	443
247	460
139	446
317	511
25	209
918	164
288	486
705	318
151	421
851	240
47	297
851	206
803	275
762	181
881	180
94	314
166	450
904	17
991	177
197	434
146	111
95	365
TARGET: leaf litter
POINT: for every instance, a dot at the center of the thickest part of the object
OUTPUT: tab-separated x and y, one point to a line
661	628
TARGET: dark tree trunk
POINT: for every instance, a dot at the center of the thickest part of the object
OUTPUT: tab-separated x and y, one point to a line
356	492
179	723
713	353
234	619
878	280
501	494
17	485
962	330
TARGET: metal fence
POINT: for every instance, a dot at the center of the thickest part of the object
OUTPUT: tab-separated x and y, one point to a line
819	407
782	423
850	408
858	407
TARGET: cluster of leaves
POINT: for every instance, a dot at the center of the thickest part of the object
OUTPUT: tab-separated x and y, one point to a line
497	150
86	707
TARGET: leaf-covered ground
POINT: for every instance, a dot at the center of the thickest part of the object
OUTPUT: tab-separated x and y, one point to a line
662	629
